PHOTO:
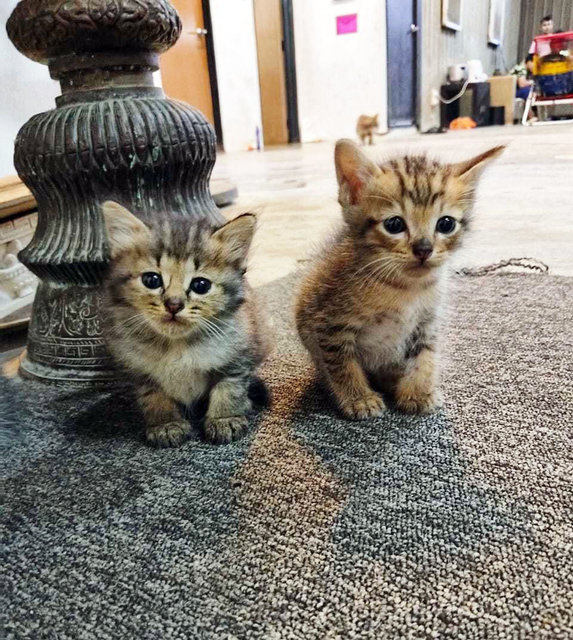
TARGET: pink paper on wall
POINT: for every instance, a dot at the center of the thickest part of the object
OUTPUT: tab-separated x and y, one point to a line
347	24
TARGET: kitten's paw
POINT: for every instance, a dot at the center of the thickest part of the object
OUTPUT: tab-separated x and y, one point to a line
368	406
223	430
420	403
170	434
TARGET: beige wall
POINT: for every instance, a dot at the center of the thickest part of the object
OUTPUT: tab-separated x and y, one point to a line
237	71
443	47
339	77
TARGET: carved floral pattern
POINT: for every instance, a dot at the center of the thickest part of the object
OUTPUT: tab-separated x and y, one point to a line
46	29
66	329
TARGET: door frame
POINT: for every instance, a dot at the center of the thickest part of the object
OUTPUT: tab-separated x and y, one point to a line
290	71
212	67
416	62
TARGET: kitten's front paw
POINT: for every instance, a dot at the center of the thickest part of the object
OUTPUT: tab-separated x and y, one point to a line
368	406
420	403
223	430
170	434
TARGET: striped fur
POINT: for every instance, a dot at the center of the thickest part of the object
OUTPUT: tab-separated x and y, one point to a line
369	309
210	348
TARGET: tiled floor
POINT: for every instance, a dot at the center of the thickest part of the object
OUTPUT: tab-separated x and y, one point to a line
525	206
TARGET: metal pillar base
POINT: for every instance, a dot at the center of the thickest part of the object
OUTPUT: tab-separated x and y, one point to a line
113	136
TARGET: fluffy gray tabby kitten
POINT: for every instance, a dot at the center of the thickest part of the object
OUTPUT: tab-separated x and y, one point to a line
182	320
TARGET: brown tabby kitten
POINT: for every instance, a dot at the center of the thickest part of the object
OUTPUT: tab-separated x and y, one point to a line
182	321
366	127
368	310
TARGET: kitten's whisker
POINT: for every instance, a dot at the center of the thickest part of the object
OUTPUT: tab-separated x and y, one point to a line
382	260
212	328
228	324
136	330
384	272
211	323
128	321
369	264
232	327
379	266
212	334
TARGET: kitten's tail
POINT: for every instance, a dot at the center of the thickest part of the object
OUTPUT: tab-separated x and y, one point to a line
259	393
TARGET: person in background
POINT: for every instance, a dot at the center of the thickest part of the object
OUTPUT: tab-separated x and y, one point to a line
547	28
524	81
524	84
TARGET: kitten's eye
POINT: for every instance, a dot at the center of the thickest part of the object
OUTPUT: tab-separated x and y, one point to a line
446	224
200	285
394	225
152	280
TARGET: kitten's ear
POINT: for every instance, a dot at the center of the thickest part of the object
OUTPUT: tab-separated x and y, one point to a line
124	230
471	170
353	171
235	238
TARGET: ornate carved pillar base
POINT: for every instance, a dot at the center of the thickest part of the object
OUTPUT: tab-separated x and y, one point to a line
65	330
113	136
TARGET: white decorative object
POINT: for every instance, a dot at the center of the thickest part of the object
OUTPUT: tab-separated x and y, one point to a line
17	284
476	72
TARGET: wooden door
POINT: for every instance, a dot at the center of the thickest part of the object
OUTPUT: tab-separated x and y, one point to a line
402	34
269	31
184	68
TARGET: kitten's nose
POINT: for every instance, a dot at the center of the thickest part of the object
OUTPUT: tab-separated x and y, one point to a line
422	249
174	305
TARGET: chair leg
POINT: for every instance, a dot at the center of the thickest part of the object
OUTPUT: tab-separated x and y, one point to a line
528	105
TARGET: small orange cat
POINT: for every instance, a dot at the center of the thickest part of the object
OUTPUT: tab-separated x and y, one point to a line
369	310
366	127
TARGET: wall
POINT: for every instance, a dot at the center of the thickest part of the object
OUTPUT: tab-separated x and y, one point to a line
26	90
534	10
443	47
339	77
272	82
237	71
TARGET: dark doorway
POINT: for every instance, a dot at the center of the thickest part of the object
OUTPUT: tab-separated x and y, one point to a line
403	30
290	71
213	72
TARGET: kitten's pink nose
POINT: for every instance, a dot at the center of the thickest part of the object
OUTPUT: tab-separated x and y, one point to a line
174	305
422	249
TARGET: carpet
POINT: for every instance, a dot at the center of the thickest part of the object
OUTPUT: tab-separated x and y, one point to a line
451	526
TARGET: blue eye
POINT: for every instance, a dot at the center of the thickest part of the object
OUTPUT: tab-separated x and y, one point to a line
394	225
152	280
200	285
446	224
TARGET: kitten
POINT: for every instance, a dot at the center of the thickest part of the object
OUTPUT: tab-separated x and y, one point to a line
183	322
366	127
368	311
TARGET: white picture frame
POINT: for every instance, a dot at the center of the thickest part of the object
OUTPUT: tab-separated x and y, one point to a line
496	20
452	14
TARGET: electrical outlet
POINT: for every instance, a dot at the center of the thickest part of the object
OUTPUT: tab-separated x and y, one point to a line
435	100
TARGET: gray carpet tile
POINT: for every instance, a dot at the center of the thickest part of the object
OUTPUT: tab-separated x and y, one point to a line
452	526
